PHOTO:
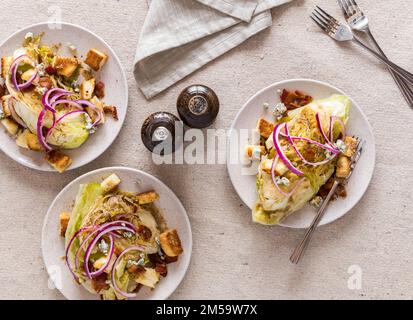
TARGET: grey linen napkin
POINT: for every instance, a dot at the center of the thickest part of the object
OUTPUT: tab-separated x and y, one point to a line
181	36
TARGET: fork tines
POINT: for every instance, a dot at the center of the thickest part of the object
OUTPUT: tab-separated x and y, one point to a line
349	7
324	20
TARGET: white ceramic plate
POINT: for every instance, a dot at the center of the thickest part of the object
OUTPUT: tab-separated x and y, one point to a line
245	185
116	93
53	248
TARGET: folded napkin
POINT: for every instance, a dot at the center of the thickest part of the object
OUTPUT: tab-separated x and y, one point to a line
181	36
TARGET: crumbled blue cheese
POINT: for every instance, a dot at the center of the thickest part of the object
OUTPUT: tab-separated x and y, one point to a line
29	36
89	124
282	181
128	234
41	69
341	145
266	105
40	90
140	262
103	246
317	202
279	110
256	153
72	48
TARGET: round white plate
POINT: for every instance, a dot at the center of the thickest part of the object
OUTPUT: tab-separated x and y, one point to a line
245	185
116	93
53	247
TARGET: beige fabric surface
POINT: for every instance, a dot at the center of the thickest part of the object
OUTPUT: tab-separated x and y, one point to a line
179	37
233	258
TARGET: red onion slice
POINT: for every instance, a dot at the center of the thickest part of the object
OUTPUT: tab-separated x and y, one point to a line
333	120
320	127
40	135
69	246
94	242
285	194
109	258
281	154
327	160
114	284
100	228
13	69
95	109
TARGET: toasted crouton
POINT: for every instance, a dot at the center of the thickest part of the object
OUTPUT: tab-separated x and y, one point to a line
147	197
87	88
110	183
64	222
4	107
65	66
170	243
58	160
33	142
11	126
96	59
343	167
351	144
5	66
112	110
265	128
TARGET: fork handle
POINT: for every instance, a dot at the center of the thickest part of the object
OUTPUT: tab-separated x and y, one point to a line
400	81
402	72
302	247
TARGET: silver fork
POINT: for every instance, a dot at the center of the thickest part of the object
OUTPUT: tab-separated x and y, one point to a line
342	32
302	247
357	20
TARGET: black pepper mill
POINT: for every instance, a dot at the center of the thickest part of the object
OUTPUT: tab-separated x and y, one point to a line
198	106
159	133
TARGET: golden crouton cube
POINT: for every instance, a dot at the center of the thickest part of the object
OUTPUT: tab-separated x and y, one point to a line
110	183
343	167
58	160
96	59
249	150
266	165
5	66
170	243
5	109
351	144
64	222
65	66
87	88
33	142
11	126
265	128
147	197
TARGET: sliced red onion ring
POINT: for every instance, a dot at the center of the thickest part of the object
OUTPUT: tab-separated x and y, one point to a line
100	228
13	69
109	258
49	132
285	194
95	240
281	154
95	109
65	101
40	135
69	246
318	144
333	120
114	284
320	127
327	160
